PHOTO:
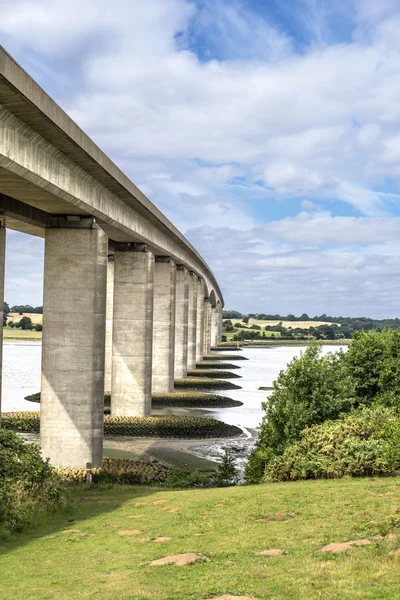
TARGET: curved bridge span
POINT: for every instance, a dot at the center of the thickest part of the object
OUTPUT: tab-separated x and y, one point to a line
129	304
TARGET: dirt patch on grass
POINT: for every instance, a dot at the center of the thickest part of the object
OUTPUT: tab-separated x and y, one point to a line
230	597
283	515
343	546
270	552
136	516
129	532
179	559
71	531
162	539
159	502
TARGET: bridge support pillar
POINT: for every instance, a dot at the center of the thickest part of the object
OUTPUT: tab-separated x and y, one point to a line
207	327
214	326
2	266
192	330
181	321
74	307
164	324
200	321
109	323
132	331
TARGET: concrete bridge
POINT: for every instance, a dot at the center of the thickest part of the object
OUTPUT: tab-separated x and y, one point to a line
128	303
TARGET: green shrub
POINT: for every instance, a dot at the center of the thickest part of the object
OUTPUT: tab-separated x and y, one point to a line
211	374
183	478
119	470
359	444
312	389
28	484
227	473
198	383
373	361
168	426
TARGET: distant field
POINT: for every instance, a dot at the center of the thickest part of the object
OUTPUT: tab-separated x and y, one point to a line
15	317
287	324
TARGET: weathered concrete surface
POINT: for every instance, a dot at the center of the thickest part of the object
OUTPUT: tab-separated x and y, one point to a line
109	323
192	321
74	316
214	326
164	325
2	266
132	331
47	162
207	327
200	320
181	321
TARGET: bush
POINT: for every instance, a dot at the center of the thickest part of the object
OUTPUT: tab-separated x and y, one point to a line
312	389
119	470
169	426
227	474
183	478
28	484
365	442
38	327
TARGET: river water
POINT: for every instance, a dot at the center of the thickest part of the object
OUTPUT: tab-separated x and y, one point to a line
21	376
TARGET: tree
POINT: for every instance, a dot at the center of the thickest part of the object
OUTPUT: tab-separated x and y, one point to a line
227	474
231	314
25	323
39	327
245	319
312	389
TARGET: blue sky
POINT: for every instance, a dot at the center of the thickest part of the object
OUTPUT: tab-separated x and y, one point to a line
267	131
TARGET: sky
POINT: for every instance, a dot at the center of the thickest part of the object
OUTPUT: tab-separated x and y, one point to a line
266	131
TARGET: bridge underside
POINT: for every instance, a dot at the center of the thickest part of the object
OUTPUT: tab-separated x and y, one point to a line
129	304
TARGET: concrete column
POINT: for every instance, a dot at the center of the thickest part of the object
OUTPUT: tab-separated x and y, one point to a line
132	331
200	320
192	330
181	321
207	326
109	323
219	323
214	326
164	324
73	349
2	267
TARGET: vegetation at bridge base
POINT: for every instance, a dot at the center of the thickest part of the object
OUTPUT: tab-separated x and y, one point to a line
212	374
29	486
163	426
119	471
316	388
216	365
181	398
198	383
214	357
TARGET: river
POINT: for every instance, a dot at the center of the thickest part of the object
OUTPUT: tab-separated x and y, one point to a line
21	376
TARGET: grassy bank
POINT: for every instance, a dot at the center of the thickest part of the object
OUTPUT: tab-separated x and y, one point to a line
12	334
228	527
212	374
276	342
230	357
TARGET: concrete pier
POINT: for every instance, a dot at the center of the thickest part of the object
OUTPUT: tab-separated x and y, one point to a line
109	323
74	316
132	331
214	326
181	321
164	324
192	320
207	327
2	267
200	320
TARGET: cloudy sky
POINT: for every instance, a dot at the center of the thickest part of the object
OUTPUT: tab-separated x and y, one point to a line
267	131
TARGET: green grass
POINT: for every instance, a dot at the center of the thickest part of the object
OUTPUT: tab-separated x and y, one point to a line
233	523
11	333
